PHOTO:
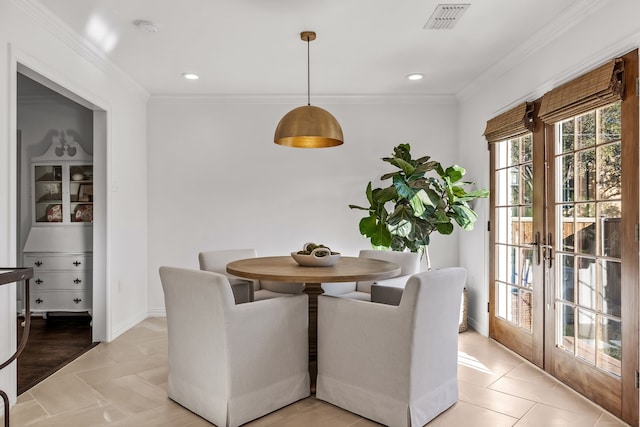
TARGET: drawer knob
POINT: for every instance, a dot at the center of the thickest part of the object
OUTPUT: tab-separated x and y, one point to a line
38	301
77	281
38	263
77	300
38	281
76	263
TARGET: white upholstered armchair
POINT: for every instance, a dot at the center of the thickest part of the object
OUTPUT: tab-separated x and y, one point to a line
396	365
245	290
232	363
409	263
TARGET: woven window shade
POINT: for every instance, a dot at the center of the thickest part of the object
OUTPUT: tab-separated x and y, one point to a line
510	124
595	89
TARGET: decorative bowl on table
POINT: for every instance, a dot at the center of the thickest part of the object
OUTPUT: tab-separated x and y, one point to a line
313	255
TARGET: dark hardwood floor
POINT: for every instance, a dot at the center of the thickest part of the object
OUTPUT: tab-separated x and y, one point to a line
53	342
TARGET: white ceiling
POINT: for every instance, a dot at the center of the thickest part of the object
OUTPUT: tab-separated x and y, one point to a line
364	47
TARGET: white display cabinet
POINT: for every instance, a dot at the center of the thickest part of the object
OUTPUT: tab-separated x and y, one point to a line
59	244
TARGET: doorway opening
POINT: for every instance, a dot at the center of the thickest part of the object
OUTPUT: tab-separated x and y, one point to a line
61	177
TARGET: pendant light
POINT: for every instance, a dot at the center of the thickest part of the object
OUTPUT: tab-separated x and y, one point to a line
308	126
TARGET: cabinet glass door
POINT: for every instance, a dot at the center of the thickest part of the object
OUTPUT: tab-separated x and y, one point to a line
48	193
81	193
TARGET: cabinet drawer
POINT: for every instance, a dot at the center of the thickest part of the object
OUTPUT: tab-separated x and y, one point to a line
63	280
58	262
60	301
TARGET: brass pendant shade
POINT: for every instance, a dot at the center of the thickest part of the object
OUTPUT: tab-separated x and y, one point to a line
308	126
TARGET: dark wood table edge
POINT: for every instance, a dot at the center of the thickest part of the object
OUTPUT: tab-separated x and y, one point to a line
16	274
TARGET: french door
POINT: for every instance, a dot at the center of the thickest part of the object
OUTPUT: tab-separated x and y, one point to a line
564	249
517	228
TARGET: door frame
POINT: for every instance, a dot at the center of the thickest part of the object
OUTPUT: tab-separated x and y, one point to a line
562	366
25	64
542	355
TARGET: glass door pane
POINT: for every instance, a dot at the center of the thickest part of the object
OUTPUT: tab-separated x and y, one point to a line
588	205
514	231
48	193
516	310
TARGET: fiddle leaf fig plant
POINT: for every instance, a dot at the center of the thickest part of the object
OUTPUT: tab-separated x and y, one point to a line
423	197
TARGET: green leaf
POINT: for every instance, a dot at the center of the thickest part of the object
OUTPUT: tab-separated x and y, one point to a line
478	194
420	183
398	243
433	196
385	195
437	185
375	230
403	189
455	173
369	193
403	229
464	216
444	228
415	176
406	167
425	198
403	212
426	167
368	226
403	151
417	205
382	236
389	175
420	233
359	207
458	191
441	217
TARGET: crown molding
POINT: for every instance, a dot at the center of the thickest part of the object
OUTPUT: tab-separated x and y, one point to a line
619	48
570	17
48	20
380	99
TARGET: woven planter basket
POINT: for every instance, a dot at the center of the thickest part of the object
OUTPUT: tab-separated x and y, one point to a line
463	312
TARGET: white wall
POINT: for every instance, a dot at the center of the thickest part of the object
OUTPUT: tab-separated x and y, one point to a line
217	180
611	29
34	38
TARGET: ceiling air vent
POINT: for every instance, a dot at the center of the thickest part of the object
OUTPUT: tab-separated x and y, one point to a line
446	16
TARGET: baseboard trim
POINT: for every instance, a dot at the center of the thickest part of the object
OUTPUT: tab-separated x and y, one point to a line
125	326
157	312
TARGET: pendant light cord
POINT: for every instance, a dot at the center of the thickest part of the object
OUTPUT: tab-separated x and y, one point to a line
308	74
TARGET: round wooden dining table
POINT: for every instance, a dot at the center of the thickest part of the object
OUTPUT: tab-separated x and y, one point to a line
286	269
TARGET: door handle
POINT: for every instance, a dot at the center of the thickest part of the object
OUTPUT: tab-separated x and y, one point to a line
536	247
548	250
548	256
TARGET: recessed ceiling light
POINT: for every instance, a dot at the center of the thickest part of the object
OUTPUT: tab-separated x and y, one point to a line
190	76
415	76
144	25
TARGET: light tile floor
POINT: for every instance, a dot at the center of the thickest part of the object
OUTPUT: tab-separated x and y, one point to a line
124	384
